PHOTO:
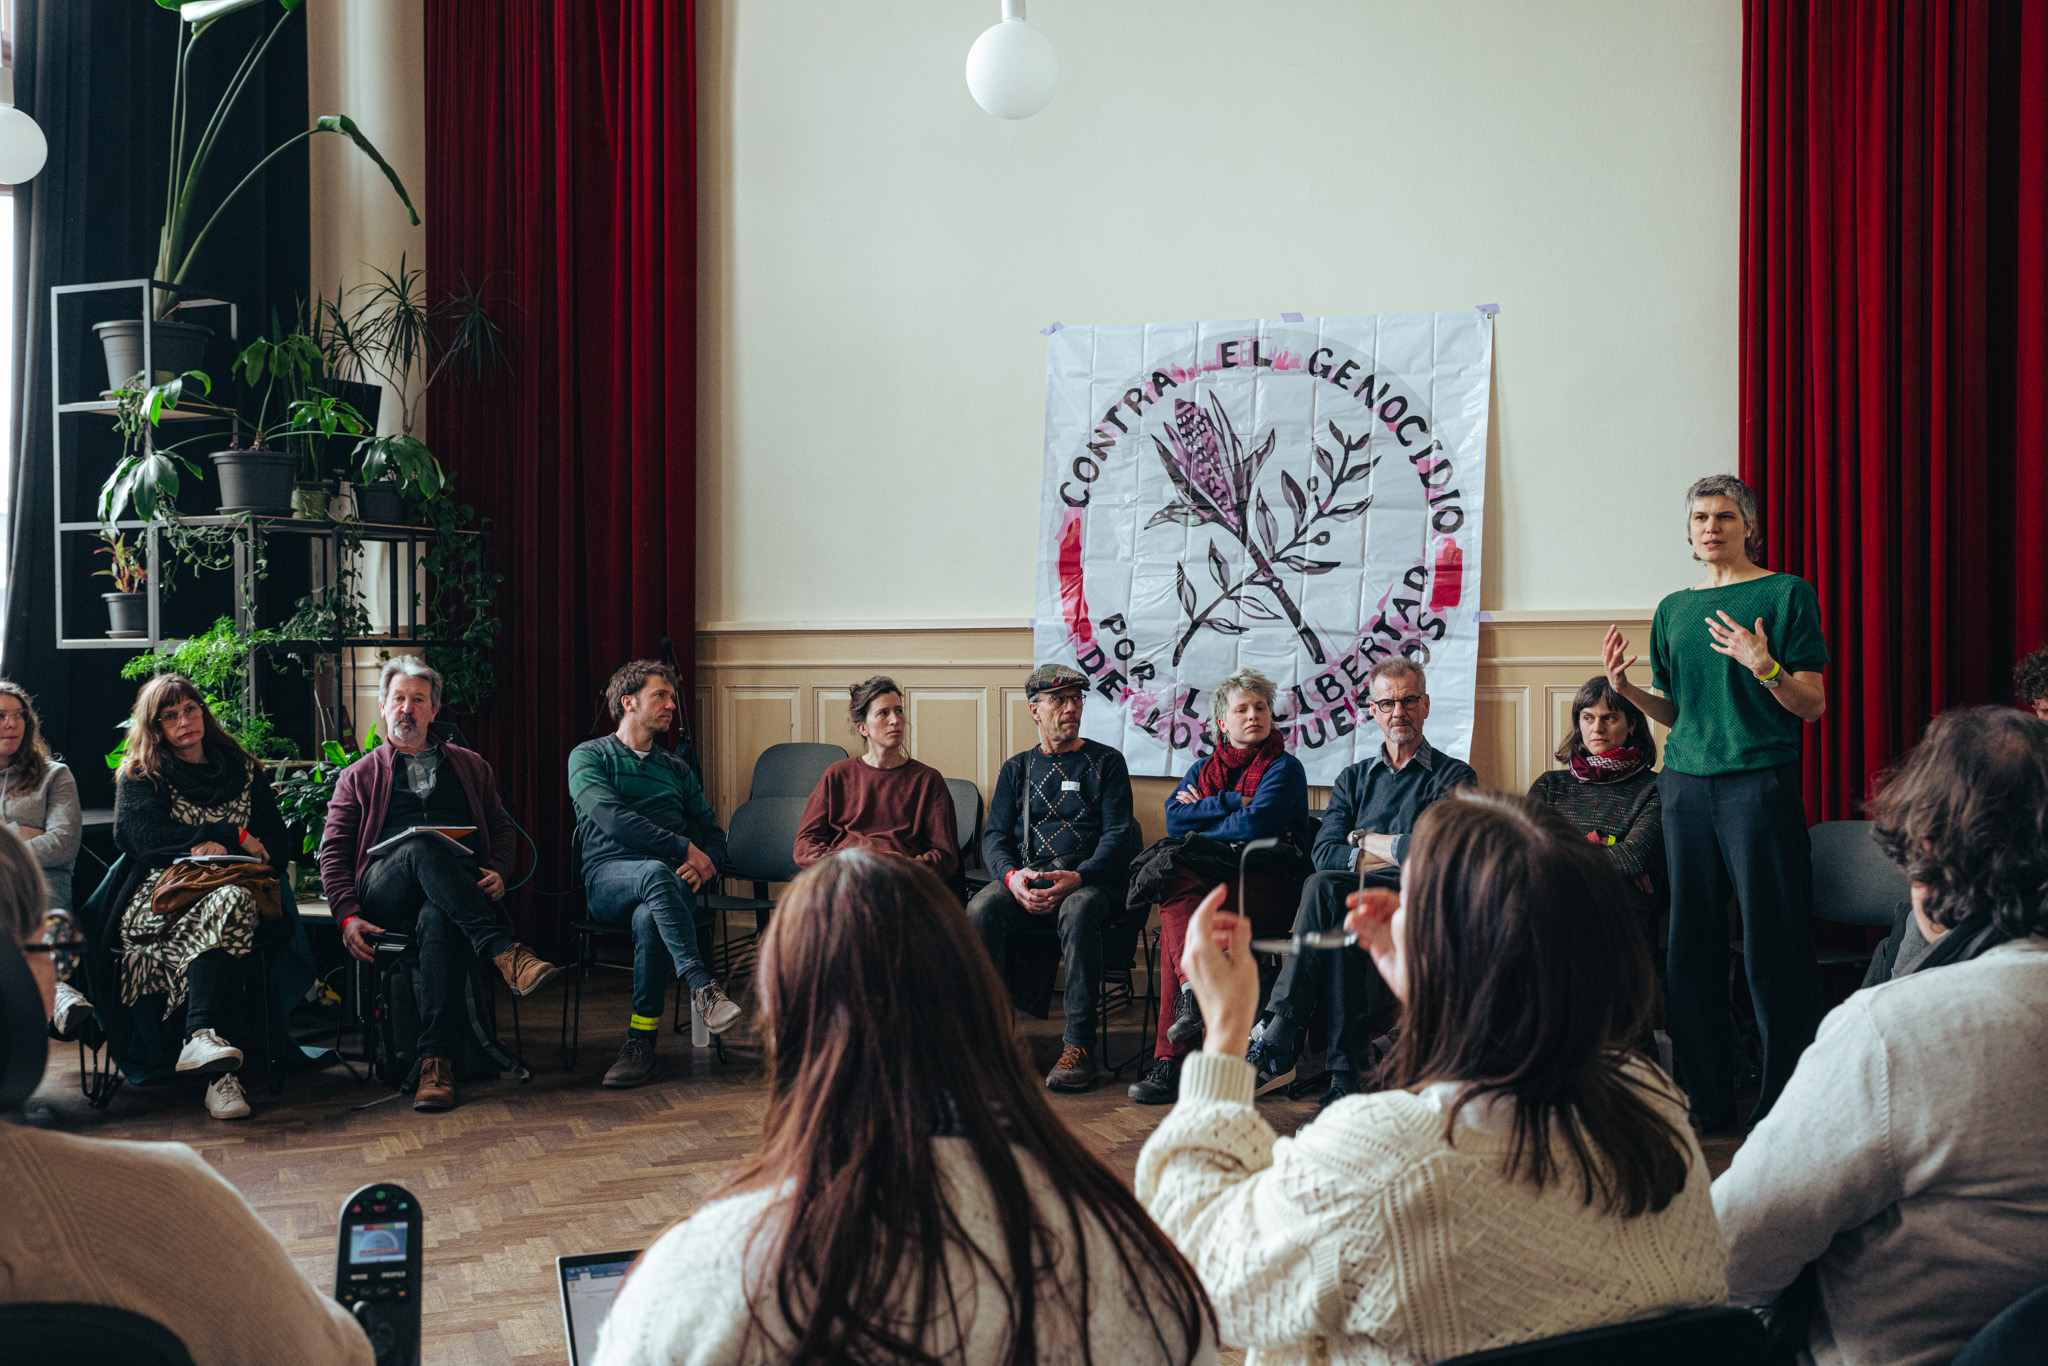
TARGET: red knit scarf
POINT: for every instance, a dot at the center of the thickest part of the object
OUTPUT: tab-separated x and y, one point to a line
1240	769
1616	765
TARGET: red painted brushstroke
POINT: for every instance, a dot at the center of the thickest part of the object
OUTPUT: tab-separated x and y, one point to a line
1073	602
1447	578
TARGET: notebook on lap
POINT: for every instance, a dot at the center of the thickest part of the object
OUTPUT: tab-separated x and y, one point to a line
589	1283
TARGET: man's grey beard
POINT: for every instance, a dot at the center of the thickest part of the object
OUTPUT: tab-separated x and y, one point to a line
405	727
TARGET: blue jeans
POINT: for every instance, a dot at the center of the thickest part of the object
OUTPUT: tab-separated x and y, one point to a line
662	911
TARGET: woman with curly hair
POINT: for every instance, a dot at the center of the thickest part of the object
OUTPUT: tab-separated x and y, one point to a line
1904	1163
187	790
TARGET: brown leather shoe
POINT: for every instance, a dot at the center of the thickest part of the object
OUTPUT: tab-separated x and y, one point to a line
524	970
436	1088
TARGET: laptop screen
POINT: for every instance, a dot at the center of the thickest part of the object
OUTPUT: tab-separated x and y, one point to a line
589	1284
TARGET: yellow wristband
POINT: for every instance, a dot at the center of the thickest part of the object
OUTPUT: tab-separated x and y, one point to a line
1777	667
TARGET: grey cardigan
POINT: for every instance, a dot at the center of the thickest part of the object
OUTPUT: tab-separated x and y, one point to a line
52	807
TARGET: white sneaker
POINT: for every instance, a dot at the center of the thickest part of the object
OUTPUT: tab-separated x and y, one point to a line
71	1011
207	1051
224	1098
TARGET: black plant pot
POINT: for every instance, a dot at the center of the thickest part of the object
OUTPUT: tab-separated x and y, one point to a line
380	503
127	615
174	348
256	481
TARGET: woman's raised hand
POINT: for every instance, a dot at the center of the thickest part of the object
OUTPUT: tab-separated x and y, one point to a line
1616	659
1217	963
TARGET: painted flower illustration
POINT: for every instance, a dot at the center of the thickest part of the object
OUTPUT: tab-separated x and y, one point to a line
1215	480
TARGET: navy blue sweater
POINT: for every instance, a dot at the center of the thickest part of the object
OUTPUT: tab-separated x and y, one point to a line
1080	805
1278	807
1376	796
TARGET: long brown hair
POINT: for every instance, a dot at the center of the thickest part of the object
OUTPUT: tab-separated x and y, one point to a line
149	755
32	760
884	1015
1529	979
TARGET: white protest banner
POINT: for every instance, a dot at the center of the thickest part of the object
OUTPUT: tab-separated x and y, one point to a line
1302	498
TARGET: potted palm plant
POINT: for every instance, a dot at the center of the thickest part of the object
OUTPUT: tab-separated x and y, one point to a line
188	214
128	605
390	332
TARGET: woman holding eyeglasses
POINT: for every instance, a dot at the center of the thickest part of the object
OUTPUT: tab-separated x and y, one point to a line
39	802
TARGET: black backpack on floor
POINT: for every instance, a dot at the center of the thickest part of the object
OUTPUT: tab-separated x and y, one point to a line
395	1025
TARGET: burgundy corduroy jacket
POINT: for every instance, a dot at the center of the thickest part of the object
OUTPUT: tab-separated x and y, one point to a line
355	816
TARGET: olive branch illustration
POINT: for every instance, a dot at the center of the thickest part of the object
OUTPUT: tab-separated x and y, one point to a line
1216	480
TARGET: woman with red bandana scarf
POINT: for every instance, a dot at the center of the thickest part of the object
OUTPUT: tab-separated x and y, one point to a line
1607	788
1250	788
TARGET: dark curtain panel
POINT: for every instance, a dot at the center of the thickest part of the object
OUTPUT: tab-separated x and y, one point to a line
561	177
97	75
1894	350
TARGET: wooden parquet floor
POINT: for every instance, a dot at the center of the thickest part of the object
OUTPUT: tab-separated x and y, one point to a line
518	1174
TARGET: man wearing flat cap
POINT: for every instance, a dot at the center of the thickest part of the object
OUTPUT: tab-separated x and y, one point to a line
1058	843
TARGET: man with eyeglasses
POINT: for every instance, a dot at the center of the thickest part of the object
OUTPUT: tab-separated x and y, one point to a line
1058	843
1364	835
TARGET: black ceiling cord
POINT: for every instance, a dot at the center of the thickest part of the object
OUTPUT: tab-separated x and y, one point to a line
686	743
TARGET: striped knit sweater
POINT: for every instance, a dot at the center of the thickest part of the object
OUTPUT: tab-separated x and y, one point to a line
1629	810
630	806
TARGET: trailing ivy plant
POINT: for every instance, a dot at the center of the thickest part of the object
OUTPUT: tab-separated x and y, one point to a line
459	608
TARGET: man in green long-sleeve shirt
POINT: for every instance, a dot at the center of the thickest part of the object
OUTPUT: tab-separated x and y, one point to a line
650	843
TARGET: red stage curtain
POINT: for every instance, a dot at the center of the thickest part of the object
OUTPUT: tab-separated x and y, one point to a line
1894	350
561	178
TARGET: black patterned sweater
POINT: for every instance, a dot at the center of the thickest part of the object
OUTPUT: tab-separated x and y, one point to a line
1080	806
1630	811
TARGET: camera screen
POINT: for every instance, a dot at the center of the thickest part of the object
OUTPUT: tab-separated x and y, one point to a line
377	1243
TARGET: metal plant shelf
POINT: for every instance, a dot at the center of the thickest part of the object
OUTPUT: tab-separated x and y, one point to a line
401	586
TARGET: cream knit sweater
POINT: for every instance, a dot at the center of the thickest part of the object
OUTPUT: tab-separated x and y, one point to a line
1367	1238
686	1303
149	1227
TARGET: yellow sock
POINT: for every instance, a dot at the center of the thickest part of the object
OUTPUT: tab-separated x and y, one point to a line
645	1024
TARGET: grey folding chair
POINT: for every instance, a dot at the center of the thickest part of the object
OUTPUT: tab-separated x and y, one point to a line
760	846
967	812
1853	883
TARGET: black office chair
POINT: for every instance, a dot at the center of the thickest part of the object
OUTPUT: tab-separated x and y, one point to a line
101	1334
1854	883
1696	1337
967	813
584	932
760	845
2017	1337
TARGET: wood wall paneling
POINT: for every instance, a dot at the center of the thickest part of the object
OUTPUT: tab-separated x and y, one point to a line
965	689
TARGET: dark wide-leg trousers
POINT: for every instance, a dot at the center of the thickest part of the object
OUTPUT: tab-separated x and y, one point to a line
1745	833
424	887
1355	1001
1079	919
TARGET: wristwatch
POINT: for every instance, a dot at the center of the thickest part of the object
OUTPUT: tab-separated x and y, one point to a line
1775	679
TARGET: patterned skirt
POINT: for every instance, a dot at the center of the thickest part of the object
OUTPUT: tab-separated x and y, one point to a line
152	966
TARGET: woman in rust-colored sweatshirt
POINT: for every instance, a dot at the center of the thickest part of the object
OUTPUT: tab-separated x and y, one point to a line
882	799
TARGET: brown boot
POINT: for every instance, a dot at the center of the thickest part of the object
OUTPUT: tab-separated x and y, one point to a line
524	970
436	1088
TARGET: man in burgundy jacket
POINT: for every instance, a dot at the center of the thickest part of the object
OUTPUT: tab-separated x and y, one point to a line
426	884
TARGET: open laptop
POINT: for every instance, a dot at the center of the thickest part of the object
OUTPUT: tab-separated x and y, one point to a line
589	1283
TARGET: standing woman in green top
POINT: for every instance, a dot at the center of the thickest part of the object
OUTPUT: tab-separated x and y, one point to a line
1737	659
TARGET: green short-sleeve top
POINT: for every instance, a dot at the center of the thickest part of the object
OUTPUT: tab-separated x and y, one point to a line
1727	721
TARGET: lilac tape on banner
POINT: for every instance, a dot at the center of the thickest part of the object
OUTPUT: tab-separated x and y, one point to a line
1290	317
1489	309
1049	330
1483	616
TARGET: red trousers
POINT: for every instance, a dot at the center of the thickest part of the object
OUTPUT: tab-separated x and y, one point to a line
1273	900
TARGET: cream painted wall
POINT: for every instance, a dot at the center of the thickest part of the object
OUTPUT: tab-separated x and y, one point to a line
367	59
878	254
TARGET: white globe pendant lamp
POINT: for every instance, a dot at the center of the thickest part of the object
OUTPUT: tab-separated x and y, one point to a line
1012	70
23	148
